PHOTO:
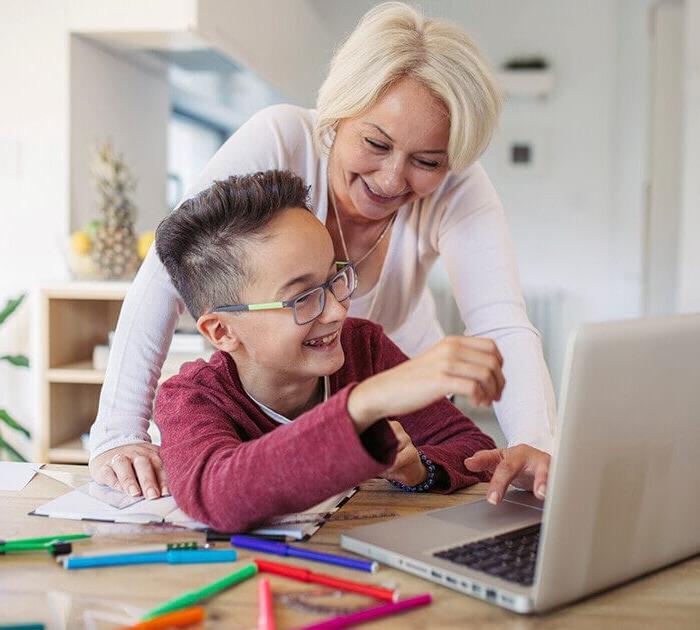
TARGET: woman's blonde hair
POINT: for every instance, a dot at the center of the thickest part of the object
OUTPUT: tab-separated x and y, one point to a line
393	41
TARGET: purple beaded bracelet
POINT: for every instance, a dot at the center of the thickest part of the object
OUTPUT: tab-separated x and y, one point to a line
421	487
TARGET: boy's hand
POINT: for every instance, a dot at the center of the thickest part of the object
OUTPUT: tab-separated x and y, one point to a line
523	466
470	366
134	469
407	467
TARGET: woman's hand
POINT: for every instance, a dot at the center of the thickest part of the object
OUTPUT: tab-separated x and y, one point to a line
523	466
134	469
470	366
407	467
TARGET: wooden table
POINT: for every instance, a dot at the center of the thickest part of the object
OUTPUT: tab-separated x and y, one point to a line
34	588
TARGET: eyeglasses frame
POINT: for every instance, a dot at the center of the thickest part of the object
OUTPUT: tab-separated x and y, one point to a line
269	306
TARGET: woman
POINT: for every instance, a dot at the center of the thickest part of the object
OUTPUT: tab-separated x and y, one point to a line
390	155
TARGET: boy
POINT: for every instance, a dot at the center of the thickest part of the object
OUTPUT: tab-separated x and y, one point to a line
296	405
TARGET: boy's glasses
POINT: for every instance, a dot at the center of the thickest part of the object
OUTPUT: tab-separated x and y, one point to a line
309	305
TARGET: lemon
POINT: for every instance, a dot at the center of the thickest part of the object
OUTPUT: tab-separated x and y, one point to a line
80	242
145	241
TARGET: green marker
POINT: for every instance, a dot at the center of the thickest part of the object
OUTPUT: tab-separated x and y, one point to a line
194	597
47	543
45	539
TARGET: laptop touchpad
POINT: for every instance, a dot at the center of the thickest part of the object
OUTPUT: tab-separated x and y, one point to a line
494	519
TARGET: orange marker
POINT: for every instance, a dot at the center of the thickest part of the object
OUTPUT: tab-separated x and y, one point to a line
178	619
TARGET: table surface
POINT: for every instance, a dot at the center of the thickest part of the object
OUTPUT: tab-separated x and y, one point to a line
35	588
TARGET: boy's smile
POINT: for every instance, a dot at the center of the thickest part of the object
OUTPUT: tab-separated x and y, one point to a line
279	362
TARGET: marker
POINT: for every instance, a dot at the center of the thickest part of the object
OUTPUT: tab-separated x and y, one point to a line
177	619
304	575
213	536
280	549
266	620
55	547
369	614
31	544
185	556
113	551
194	597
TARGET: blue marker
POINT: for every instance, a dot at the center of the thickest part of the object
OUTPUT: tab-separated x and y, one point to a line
280	549
185	556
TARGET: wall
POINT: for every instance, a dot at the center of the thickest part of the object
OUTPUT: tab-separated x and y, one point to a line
689	250
33	174
59	97
114	98
576	217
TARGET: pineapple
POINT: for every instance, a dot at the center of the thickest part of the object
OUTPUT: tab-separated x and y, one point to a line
114	242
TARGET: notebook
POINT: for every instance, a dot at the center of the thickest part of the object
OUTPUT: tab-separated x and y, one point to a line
94	502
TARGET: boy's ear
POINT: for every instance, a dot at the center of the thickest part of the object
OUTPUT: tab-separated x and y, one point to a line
221	335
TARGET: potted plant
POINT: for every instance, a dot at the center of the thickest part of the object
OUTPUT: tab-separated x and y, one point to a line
20	361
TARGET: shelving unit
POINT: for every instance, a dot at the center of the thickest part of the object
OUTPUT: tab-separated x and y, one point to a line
73	317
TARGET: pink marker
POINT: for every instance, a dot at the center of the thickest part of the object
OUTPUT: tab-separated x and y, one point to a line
345	621
266	620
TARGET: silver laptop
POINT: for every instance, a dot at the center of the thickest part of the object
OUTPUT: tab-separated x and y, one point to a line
622	497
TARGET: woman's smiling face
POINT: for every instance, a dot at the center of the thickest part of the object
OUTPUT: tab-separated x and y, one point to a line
393	153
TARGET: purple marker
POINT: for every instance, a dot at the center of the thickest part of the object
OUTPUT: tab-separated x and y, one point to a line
280	549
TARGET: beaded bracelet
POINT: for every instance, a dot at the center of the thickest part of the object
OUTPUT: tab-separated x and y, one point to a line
421	487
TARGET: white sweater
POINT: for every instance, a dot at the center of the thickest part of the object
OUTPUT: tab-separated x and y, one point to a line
462	221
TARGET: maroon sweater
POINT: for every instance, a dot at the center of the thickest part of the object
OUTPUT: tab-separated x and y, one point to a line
232	466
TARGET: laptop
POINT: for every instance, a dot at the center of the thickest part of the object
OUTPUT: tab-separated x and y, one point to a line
622	491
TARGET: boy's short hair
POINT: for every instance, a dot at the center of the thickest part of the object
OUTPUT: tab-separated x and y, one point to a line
203	242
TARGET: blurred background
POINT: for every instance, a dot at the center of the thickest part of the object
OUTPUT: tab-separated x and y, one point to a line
596	160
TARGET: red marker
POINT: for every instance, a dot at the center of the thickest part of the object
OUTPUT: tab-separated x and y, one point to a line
304	575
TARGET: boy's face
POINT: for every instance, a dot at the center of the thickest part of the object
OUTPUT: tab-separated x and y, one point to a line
294	255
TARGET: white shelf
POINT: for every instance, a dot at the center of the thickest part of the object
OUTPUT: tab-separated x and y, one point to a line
527	83
69	452
79	372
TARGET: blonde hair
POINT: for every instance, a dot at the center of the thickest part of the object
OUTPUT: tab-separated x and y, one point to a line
393	41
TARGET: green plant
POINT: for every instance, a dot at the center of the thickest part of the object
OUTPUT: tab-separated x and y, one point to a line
21	361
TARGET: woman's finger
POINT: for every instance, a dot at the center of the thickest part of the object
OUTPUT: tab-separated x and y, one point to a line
161	475
105	475
122	467
146	476
540	482
507	470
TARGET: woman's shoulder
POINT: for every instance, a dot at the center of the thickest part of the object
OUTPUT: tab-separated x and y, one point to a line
471	182
467	193
289	119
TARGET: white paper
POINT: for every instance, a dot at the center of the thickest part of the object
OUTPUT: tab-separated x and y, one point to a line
80	506
15	475
110	496
71	479
77	505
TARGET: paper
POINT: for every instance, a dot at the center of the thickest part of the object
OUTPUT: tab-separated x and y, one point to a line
71	479
81	505
108	495
15	475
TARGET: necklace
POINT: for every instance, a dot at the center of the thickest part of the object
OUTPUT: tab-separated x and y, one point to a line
374	246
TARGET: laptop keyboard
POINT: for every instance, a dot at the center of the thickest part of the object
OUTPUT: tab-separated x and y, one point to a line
510	556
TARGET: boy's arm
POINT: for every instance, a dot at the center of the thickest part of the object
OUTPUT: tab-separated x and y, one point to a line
440	430
232	484
447	436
